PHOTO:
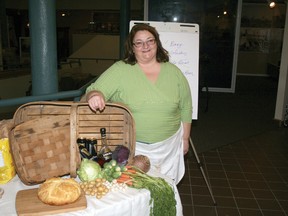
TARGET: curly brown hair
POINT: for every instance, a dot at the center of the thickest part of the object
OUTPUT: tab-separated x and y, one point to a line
129	57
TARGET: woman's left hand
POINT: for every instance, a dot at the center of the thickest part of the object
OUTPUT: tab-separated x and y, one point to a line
185	146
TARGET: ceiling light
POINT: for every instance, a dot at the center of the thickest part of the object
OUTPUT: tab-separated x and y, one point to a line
271	4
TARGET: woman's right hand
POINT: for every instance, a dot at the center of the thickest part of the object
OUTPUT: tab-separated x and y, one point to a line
96	100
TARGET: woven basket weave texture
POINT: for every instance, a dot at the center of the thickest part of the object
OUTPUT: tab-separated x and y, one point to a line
43	140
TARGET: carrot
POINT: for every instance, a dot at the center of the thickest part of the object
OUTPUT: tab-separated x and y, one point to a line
131	171
129	183
125	181
123	175
130	167
120	180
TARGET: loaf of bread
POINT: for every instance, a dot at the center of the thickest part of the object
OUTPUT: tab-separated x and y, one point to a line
58	191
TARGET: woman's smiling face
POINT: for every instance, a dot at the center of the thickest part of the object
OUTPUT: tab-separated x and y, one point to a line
145	47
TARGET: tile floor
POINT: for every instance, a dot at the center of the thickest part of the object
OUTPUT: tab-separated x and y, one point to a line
247	178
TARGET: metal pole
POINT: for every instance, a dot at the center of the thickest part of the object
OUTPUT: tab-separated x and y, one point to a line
202	171
42	20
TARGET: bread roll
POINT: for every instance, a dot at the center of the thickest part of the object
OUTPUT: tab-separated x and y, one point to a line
58	191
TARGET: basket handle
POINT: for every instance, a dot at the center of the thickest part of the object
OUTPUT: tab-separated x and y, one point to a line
73	138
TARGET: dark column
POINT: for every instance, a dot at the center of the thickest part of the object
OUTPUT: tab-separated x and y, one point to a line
42	19
3	25
3	35
124	24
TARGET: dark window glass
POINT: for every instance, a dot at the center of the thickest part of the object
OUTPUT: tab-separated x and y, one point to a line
217	21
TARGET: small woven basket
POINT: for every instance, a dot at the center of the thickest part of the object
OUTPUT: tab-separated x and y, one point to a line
43	140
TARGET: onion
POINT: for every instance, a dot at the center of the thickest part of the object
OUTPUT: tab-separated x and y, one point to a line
142	162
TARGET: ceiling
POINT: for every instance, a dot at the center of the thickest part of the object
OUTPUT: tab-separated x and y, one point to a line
263	1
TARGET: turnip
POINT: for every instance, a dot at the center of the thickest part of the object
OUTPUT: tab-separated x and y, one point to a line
142	162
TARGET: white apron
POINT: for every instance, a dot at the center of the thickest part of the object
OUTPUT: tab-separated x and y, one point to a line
166	156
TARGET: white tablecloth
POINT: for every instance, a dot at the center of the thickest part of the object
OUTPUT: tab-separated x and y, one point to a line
129	203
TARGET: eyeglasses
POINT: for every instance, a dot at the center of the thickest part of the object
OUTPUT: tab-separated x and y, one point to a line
149	42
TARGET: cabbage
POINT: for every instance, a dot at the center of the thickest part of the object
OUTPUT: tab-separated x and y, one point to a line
89	170
121	155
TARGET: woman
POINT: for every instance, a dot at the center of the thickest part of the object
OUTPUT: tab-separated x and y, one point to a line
157	94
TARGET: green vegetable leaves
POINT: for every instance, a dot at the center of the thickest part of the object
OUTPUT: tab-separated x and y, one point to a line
162	201
89	170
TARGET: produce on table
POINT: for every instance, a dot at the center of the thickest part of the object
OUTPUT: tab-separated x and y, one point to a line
111	170
98	181
95	188
115	186
142	162
121	154
89	170
162	200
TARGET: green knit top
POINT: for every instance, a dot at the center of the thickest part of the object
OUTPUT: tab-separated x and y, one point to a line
158	108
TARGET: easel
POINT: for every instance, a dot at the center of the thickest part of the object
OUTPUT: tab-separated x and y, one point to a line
202	171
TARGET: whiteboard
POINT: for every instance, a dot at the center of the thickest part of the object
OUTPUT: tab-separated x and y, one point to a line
181	40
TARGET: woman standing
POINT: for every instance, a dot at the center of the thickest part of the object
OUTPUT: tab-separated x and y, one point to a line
157	94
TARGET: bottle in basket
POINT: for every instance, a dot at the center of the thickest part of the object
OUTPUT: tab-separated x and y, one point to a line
83	150
105	151
81	142
93	148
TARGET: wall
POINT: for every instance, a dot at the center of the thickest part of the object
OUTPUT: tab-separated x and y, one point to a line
22	83
76	4
282	93
80	13
90	47
1	55
261	37
8	89
250	63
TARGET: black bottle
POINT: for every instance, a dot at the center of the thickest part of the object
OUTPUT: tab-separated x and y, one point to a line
105	151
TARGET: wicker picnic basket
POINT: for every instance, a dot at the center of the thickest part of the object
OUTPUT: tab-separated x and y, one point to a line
43	140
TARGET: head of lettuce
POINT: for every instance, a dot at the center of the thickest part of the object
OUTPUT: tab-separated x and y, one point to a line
89	170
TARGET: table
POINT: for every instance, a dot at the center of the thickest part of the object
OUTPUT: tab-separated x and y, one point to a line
129	203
